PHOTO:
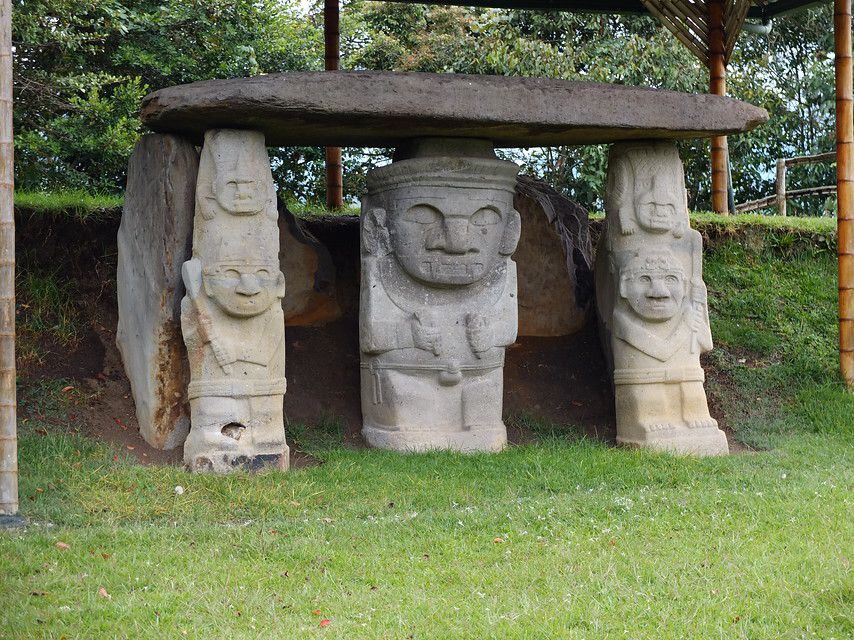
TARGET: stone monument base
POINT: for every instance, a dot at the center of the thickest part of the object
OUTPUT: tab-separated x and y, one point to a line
418	441
249	457
708	441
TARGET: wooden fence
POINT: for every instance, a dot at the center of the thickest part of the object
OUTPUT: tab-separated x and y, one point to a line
781	194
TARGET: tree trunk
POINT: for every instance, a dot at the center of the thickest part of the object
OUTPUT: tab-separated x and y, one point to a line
8	421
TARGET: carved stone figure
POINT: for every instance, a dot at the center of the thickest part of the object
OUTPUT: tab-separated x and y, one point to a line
438	297
232	317
652	304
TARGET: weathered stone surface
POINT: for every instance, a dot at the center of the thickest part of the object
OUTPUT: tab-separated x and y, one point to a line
330	108
652	304
231	317
153	242
438	297
554	262
311	298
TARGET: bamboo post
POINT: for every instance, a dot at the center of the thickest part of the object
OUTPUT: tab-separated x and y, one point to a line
717	86
781	186
8	417
845	186
332	57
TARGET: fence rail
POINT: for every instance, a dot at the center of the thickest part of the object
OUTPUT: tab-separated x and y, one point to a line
781	195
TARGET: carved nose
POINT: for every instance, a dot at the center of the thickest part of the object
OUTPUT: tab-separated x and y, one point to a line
658	290
248	285
456	235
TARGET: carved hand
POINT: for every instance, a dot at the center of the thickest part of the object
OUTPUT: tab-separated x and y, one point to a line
425	336
479	333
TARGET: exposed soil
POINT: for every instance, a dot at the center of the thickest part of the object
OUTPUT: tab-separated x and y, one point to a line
547	381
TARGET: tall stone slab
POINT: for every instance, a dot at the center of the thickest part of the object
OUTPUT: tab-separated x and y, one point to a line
652	304
438	297
153	243
231	317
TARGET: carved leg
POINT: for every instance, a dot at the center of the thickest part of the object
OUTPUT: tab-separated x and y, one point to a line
415	413
695	407
482	400
220	433
644	411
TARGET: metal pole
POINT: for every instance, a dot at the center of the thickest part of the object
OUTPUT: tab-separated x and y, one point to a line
845	186
717	86
332	57
8	405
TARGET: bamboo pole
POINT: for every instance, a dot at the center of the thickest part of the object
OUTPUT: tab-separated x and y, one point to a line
845	185
332	58
717	86
781	187
8	417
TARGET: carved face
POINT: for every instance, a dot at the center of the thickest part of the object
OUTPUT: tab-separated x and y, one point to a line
452	239
657	208
654	288
239	192
244	290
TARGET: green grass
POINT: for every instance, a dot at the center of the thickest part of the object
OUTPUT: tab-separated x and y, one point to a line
78	204
316	209
566	538
48	313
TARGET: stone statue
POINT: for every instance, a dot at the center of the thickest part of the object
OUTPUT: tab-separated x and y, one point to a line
438	297
652	304
232	317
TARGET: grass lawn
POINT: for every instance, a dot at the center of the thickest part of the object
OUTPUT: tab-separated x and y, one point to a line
561	539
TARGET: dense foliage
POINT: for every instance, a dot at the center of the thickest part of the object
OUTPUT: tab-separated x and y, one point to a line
83	66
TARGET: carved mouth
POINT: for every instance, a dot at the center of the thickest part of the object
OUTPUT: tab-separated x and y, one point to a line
452	268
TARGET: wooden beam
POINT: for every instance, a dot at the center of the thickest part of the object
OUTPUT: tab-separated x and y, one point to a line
8	404
717	86
845	185
332	58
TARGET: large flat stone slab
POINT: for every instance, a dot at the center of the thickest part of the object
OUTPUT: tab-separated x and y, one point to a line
350	108
153	243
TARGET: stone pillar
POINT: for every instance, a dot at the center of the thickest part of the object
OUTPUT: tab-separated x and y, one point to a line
153	243
438	297
232	317
652	304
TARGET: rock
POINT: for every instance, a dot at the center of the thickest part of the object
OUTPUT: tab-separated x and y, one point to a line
231	317
438	297
310	297
153	242
652	304
329	108
554	261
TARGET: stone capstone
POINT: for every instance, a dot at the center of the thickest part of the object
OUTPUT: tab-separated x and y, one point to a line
231	318
153	242
652	304
554	261
330	108
438	297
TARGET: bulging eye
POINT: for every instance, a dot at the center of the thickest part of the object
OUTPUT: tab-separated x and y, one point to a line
423	214
646	279
485	217
671	279
262	273
232	273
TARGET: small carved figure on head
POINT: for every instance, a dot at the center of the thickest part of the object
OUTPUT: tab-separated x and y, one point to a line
646	189
234	175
